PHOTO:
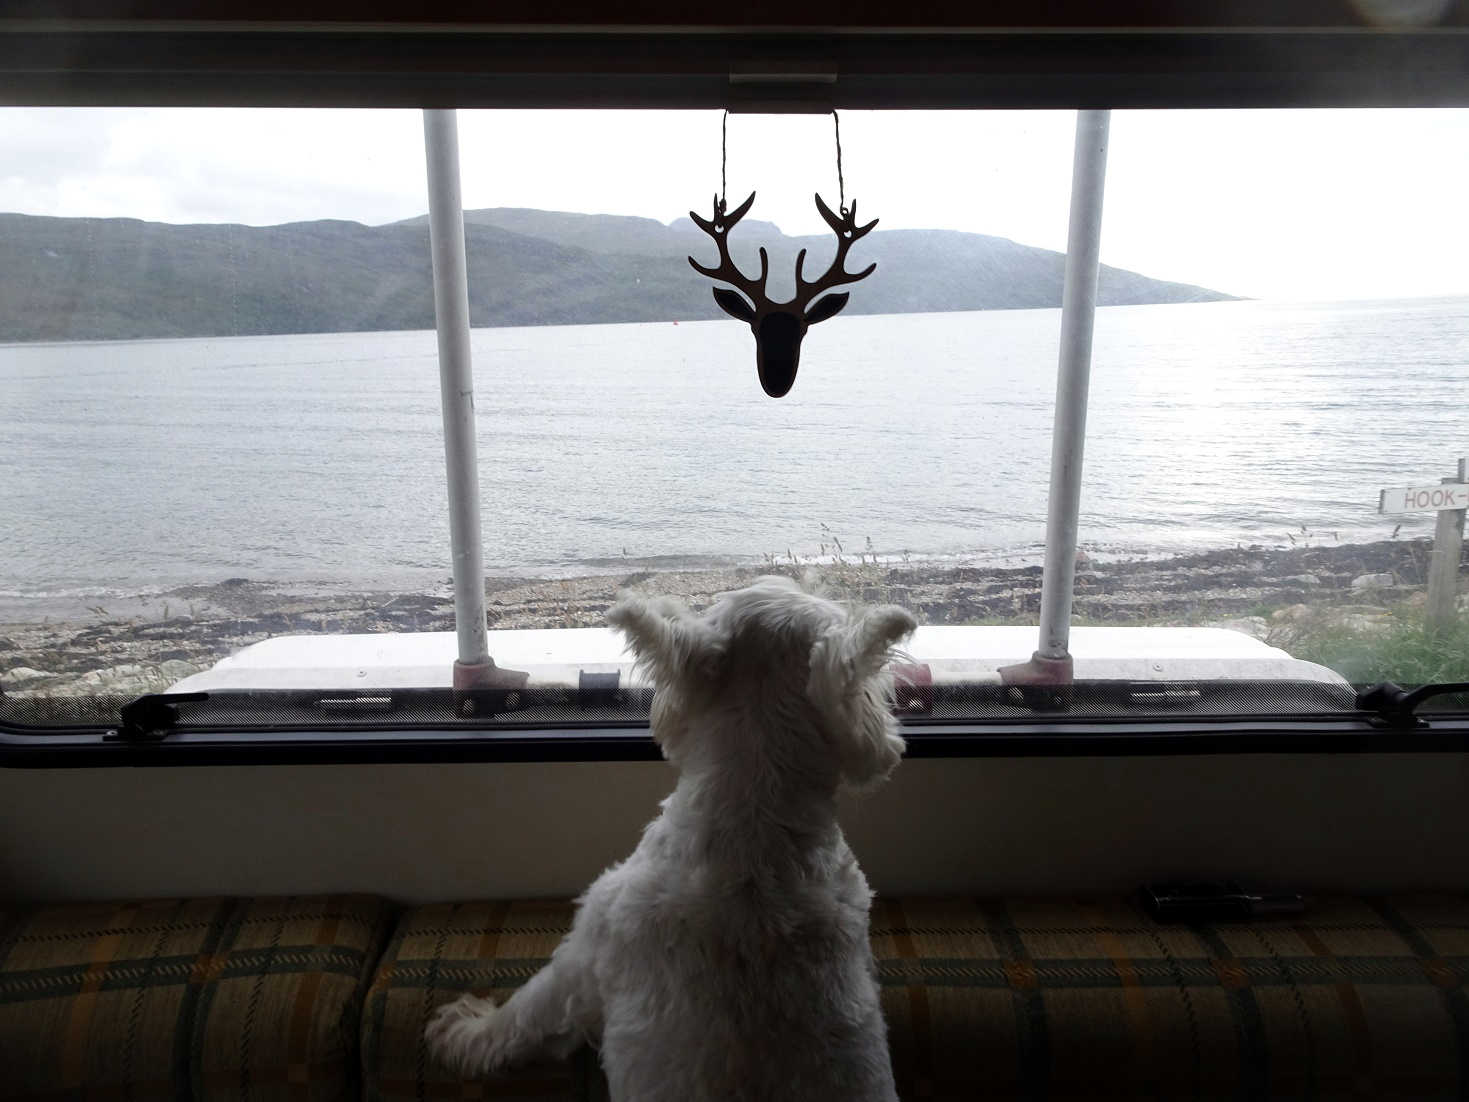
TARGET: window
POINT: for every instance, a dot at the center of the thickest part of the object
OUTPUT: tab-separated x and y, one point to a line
223	446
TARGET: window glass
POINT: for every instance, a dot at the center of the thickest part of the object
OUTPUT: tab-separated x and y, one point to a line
222	447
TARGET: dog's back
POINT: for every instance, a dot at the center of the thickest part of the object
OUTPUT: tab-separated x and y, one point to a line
727	957
746	988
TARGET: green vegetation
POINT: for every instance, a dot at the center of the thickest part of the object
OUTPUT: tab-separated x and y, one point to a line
1397	646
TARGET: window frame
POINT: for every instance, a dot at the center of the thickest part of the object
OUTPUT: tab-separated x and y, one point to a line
658	53
318	53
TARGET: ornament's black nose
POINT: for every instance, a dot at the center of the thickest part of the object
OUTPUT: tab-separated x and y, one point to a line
778	351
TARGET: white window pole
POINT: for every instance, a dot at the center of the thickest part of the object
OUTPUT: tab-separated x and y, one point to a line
474	669
1051	664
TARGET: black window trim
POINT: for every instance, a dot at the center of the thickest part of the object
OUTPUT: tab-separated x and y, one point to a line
982	68
1120	736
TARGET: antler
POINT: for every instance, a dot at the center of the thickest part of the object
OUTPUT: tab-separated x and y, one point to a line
848	232
718	228
779	326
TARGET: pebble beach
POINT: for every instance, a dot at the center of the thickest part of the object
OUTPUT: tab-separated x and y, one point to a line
152	641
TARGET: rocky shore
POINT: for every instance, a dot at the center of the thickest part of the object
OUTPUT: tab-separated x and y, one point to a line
172	635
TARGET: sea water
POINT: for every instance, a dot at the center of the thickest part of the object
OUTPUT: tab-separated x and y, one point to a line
318	460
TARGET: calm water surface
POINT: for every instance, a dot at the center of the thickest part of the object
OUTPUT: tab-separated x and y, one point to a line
318	460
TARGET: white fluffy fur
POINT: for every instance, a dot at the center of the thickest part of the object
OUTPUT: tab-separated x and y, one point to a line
728	957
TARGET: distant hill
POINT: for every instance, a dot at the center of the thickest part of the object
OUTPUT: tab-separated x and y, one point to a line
105	279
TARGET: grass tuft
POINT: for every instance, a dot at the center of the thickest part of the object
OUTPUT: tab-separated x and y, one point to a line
1403	649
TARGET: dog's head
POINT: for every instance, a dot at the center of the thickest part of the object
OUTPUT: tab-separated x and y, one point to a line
772	664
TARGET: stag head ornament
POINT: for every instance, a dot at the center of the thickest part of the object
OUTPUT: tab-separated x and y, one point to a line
780	326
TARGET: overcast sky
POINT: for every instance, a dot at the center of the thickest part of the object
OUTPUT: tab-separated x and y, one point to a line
1274	204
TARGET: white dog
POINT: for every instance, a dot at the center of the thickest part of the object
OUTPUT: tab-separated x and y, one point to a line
728	957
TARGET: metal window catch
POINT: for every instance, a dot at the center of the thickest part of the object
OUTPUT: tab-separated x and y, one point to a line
1392	705
149	718
597	690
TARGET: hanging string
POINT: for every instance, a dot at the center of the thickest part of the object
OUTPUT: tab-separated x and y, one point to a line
724	162
723	157
841	184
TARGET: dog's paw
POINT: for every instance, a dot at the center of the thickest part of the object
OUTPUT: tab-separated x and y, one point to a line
460	1035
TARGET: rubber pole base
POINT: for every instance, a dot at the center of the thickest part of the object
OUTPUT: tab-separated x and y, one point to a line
487	675
484	689
1043	684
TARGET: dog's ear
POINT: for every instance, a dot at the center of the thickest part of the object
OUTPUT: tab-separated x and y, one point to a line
668	640
850	686
849	654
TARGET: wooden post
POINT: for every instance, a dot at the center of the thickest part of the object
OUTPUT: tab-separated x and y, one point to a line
1443	567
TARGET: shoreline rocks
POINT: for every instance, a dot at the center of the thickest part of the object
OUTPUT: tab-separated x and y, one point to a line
1246	589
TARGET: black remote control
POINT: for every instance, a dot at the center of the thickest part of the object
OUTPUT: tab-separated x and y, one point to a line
1216	901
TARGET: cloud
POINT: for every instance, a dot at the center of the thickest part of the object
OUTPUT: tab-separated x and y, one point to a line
1302	204
1306	204
253	166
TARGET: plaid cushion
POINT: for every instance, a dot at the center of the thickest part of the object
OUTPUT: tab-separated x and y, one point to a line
439	952
1358	998
1012	999
191	999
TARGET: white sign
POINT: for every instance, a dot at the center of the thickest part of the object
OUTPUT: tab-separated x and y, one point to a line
1448	495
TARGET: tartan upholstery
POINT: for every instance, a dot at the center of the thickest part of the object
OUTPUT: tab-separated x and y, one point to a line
205	999
1360	998
1060	999
1357	998
437	953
